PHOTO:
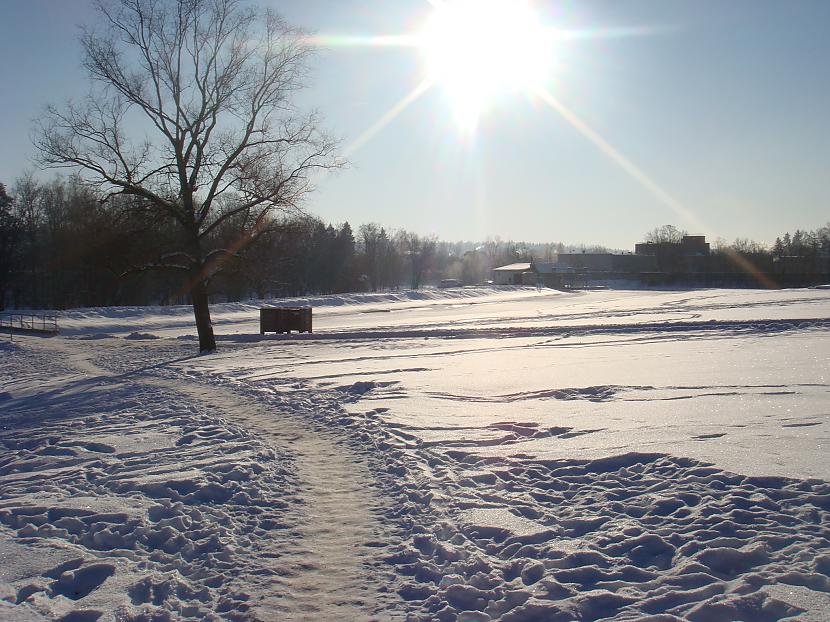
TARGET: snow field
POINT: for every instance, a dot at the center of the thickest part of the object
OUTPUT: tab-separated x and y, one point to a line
243	317
454	312
650	456
132	501
511	513
632	537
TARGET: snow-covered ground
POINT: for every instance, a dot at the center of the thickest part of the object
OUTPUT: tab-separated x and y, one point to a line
467	454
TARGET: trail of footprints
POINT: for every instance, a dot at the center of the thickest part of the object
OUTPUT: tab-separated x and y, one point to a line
645	537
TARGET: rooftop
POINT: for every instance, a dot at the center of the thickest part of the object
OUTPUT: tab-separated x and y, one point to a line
513	267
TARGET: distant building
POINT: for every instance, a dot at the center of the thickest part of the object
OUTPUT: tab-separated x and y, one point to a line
512	274
688	245
552	274
688	262
585	261
689	255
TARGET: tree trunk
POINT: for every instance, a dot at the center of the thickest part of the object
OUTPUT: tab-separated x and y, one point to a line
198	292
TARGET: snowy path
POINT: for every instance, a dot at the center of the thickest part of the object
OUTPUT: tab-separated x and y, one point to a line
322	573
313	559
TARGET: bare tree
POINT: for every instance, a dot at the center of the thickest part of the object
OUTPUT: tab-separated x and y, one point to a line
372	241
748	247
30	214
665	234
421	251
205	87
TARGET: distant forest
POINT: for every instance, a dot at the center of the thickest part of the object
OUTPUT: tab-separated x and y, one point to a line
63	246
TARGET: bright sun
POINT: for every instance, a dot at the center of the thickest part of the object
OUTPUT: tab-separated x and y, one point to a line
480	49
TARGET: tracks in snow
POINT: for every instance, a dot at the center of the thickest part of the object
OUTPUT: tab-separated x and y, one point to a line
322	568
323	573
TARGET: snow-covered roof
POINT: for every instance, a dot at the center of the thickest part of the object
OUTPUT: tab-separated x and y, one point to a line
513	267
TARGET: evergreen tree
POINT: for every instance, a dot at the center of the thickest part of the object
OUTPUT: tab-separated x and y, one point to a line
778	247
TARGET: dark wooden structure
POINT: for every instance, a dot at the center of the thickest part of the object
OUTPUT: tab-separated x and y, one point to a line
284	320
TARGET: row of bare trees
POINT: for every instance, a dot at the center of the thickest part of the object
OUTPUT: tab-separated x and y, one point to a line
63	246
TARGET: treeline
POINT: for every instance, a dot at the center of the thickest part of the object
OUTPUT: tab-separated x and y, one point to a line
804	244
804	252
63	246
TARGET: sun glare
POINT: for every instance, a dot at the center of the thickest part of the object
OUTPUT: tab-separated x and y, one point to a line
480	49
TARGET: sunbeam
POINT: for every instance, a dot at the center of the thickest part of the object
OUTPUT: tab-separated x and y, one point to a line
627	165
614	33
374	41
387	117
644	180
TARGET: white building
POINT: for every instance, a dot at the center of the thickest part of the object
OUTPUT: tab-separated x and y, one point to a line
512	274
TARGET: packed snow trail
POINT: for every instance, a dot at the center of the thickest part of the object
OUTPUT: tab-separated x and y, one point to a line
322	574
311	561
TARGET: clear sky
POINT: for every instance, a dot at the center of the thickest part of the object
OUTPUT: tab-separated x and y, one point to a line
707	114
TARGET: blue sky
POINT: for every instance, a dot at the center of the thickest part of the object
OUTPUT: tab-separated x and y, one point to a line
723	106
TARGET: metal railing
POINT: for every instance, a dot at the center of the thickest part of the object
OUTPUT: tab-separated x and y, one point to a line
29	322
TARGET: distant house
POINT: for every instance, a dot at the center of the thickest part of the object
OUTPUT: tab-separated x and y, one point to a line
688	262
579	269
534	273
691	245
512	274
605	262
